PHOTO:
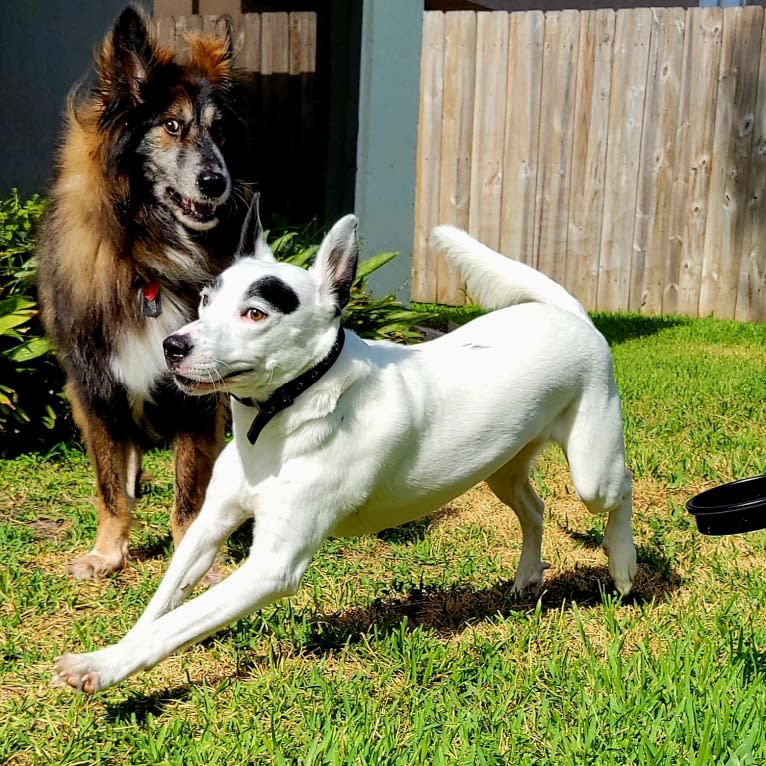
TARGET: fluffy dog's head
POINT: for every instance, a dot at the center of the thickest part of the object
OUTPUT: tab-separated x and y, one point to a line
263	323
163	120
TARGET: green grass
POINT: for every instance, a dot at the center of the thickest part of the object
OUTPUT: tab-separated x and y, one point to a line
407	648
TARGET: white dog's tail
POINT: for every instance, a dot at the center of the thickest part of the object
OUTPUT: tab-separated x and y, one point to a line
495	281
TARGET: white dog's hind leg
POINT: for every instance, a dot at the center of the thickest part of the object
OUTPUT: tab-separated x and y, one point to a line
618	540
596	455
511	485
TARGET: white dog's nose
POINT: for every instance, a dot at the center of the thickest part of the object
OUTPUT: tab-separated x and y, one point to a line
177	347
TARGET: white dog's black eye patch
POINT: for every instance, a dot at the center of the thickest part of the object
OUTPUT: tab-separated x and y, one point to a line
275	292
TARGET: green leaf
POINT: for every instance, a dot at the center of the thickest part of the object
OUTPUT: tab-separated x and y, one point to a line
283	242
29	350
14	303
304	256
10	321
373	263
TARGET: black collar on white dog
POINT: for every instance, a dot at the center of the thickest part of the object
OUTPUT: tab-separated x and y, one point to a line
286	394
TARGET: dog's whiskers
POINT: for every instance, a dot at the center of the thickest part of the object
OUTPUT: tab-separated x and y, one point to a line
242	192
222	363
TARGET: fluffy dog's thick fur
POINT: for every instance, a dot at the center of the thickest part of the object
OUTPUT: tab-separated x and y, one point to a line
382	434
143	212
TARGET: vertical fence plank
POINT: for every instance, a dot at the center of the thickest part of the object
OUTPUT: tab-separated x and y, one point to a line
522	128
186	25
489	127
626	107
275	43
210	24
740	55
165	27
456	140
751	292
274	126
303	138
752	26
247	41
303	34
591	133
696	120
429	155
657	161
555	149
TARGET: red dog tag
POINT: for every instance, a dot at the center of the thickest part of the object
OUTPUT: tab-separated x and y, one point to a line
152	305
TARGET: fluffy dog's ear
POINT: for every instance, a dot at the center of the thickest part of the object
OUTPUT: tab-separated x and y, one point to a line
126	57
251	242
335	264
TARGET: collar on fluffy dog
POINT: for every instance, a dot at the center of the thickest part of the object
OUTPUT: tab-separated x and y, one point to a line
286	394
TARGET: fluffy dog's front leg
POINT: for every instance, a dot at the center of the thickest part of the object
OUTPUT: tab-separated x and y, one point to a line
273	570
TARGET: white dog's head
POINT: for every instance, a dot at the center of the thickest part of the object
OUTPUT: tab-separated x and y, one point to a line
263	323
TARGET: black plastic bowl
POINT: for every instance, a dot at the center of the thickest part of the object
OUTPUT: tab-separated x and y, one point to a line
739	506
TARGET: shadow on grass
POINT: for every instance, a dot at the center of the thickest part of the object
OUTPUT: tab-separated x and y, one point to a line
238	545
444	611
158	547
448	611
753	661
137	708
619	328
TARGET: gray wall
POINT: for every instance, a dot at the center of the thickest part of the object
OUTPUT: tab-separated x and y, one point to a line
45	46
387	138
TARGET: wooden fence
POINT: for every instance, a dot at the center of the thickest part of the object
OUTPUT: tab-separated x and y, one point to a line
281	103
622	153
267	43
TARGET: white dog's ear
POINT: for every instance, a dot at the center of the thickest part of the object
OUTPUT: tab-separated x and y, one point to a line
335	264
251	242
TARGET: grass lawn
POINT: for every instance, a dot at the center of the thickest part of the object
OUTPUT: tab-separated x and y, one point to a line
406	648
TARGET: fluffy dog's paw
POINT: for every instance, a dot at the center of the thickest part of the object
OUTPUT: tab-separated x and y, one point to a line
93	565
76	671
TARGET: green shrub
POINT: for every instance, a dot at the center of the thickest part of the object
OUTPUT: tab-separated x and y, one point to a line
33	410
31	403
376	317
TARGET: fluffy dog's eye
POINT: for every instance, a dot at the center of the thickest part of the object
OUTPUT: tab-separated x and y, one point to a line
205	299
254	315
172	127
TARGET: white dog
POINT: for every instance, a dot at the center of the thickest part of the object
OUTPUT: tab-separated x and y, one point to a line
334	435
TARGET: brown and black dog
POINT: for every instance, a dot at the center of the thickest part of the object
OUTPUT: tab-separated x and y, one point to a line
144	211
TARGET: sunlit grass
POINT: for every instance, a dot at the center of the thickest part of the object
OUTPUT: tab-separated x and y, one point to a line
407	648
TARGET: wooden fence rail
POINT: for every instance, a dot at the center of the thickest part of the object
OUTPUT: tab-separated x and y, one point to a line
621	152
267	43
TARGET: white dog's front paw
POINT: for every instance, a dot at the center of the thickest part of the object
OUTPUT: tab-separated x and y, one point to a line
87	672
622	564
529	578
